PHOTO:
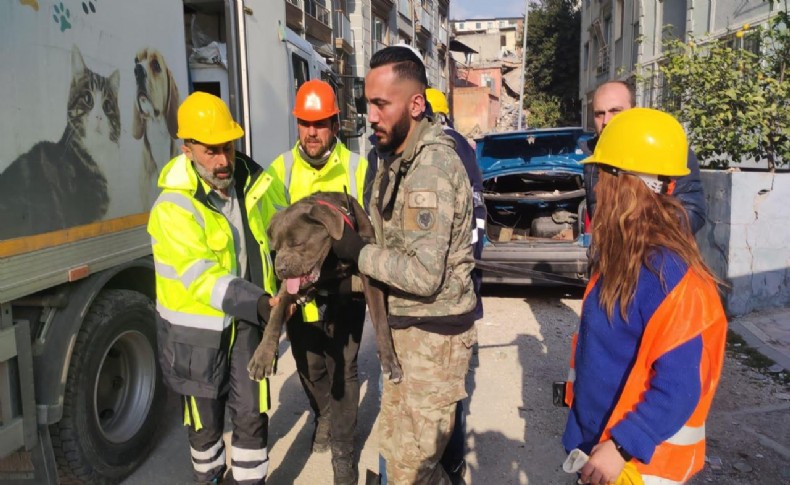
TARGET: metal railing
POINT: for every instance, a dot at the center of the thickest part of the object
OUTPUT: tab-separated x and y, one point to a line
297	3
343	27
603	60
404	8
317	11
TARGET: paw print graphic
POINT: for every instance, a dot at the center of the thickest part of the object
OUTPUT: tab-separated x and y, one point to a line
62	16
89	7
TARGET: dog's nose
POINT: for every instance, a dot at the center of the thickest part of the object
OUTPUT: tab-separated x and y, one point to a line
139	73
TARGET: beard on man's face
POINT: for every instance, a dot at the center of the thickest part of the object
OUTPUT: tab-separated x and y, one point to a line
219	178
390	140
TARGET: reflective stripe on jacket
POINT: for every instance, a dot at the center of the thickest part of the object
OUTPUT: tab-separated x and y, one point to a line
293	178
693	308
198	291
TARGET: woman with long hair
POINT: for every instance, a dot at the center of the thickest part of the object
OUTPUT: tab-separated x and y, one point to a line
648	354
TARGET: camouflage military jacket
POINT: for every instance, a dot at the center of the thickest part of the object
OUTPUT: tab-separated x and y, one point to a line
423	251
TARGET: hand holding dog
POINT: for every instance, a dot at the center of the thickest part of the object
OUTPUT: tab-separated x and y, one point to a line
265	305
349	245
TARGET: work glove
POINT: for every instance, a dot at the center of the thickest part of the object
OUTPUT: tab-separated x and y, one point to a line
264	308
349	245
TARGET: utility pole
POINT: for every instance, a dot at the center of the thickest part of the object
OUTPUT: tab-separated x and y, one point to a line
523	64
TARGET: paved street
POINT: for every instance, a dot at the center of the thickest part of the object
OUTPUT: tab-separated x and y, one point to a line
513	429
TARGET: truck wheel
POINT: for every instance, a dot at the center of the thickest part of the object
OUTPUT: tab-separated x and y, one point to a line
114	393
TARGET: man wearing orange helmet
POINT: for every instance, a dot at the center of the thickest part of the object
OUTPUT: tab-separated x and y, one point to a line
326	333
214	281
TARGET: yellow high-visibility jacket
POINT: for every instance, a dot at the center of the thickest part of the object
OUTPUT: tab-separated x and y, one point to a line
199	295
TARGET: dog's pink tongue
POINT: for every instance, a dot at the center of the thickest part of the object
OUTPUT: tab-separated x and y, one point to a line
292	285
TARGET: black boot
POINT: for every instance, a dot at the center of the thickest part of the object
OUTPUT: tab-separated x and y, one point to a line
321	435
456	473
344	465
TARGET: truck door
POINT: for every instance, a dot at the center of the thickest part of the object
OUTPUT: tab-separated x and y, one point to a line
264	78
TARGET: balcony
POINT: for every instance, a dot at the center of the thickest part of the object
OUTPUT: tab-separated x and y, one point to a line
317	21
424	22
443	36
378	45
603	61
343	40
294	15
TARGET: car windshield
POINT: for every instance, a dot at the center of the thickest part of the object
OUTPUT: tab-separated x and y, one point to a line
530	146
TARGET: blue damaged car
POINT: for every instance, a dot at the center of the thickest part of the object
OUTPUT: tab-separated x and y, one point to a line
536	227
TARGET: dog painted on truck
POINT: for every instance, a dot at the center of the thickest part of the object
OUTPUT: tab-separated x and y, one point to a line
301	237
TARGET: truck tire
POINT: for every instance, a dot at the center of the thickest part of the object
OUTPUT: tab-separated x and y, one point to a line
114	394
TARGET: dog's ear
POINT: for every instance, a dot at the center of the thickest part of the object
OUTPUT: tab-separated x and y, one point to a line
330	218
172	105
138	123
273	231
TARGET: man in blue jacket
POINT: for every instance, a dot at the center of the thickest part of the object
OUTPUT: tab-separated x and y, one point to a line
611	98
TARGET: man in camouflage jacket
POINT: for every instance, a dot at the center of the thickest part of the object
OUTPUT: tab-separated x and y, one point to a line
421	207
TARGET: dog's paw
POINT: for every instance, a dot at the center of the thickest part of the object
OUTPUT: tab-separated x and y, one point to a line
261	365
392	371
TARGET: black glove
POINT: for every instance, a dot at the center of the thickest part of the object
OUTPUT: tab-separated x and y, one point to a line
349	245
264	309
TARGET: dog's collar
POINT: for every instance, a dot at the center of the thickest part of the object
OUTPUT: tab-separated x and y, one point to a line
343	212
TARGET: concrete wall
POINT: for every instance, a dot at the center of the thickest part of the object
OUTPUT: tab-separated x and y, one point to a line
746	241
487	46
475	111
475	76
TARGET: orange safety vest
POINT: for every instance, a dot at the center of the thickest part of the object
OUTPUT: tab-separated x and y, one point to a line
692	308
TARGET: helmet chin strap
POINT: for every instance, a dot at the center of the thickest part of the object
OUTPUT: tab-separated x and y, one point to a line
320	161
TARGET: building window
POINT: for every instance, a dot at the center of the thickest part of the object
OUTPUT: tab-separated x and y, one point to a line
502	41
586	57
478	25
379	30
618	28
607	29
461	26
750	42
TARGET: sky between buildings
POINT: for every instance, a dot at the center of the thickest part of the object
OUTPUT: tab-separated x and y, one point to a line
469	9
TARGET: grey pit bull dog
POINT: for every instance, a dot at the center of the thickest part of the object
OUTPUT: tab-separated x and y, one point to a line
301	236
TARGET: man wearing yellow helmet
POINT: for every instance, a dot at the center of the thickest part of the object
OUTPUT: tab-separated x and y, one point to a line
614	97
648	354
214	282
453	460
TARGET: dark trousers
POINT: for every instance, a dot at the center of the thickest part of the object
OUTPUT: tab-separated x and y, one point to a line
326	360
247	402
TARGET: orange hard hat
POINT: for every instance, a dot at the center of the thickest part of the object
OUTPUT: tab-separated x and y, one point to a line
315	100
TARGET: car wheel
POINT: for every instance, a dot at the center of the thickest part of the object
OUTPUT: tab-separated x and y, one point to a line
114	392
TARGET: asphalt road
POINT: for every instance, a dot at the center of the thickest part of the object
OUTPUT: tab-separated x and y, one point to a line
513	431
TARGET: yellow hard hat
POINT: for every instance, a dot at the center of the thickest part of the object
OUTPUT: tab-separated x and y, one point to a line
437	100
205	118
643	140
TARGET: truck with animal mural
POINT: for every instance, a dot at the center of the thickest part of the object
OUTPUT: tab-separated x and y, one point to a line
87	120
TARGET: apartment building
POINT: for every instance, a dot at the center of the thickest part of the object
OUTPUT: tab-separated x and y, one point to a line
622	38
492	38
348	32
